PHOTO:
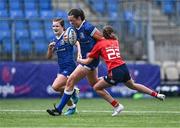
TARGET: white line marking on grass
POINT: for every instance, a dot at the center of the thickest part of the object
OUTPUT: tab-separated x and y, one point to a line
93	111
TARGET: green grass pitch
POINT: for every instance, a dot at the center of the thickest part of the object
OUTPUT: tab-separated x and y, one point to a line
92	113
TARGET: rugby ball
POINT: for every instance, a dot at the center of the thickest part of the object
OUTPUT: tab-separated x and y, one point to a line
71	35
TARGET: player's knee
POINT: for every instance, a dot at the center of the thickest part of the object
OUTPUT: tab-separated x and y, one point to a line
58	88
93	82
96	88
70	80
55	87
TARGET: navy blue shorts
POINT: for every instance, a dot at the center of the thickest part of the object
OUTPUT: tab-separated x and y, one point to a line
119	74
93	65
66	71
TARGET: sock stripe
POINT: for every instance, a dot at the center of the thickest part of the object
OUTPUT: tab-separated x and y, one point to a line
68	92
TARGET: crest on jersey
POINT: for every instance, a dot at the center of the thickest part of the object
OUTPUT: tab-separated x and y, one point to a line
62	42
81	35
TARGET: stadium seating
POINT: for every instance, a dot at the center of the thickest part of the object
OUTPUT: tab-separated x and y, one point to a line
60	13
5	34
34	24
31	14
7	46
46	14
21	24
21	33
4	14
30	5
161	69
178	67
112	8
168	64
15	4
36	33
170	70
3	4
16	14
49	35
25	46
172	73
40	46
45	5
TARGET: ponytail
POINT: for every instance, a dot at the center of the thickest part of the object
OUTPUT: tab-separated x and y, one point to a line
108	33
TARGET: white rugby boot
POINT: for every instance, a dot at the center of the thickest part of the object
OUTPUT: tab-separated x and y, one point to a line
117	110
161	96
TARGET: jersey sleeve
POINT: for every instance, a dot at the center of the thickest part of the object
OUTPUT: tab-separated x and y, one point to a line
95	52
90	29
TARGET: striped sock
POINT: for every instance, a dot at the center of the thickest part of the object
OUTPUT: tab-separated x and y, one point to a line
154	94
114	103
65	98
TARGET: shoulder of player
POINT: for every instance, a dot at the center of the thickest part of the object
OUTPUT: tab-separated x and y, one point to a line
87	25
101	41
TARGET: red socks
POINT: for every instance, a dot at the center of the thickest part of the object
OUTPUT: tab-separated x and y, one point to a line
114	103
154	94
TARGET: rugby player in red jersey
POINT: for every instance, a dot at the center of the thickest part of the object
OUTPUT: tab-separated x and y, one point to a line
108	49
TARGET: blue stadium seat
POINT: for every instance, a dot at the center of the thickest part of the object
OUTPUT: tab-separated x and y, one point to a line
49	34
20	25
4	14
21	33
3	4
129	20
112	8
15	5
4	25
178	7
40	46
48	25
30	4
31	14
45	5
61	14
36	33
7	46
168	7
25	46
99	6
16	14
128	15
46	14
35	24
67	24
5	34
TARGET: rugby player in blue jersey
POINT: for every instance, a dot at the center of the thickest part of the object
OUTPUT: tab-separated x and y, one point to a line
65	55
87	35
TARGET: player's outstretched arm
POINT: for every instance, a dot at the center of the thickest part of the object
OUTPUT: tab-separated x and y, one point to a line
97	35
50	50
78	50
85	61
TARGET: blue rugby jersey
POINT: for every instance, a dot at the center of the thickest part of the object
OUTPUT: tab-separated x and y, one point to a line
65	53
85	36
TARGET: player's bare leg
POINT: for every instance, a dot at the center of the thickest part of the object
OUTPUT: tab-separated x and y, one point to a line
99	87
59	85
141	88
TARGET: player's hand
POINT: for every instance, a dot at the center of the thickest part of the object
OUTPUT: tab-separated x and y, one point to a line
79	60
51	45
65	38
79	56
87	55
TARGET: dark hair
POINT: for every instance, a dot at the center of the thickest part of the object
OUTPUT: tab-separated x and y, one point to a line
77	13
60	20
108	32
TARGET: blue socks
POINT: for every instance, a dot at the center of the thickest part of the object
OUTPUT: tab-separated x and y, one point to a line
65	98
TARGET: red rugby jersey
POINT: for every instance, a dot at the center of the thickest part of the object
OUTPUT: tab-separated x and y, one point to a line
108	49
